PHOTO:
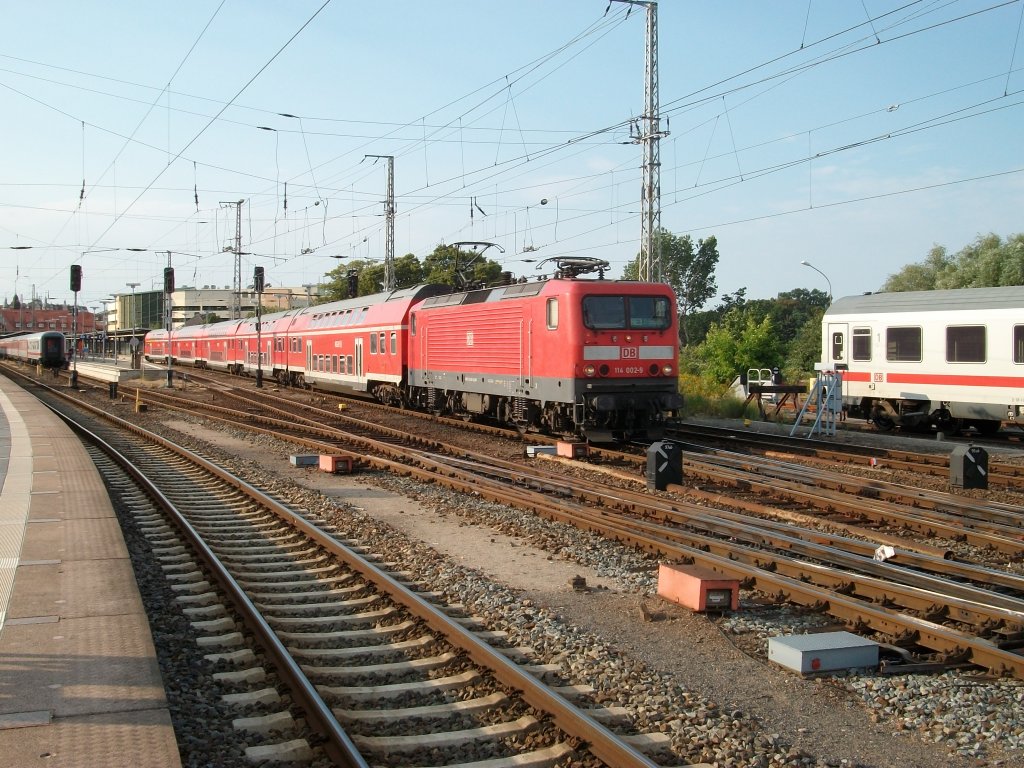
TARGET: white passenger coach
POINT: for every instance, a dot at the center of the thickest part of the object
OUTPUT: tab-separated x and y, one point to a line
930	359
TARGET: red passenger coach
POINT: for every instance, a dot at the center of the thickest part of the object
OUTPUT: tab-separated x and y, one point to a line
355	344
573	356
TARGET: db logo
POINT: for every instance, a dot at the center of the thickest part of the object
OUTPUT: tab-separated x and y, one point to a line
630	353
879	377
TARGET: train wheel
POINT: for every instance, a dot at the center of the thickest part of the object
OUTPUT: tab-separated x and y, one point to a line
883	423
945	422
986	427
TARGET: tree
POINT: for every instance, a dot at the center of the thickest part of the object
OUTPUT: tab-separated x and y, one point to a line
408	272
985	263
460	268
15	302
805	348
690	271
739	342
921	277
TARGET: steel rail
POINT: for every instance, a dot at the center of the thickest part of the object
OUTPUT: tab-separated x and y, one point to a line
337	743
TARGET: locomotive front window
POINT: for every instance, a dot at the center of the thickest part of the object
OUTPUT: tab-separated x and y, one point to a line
965	344
620	313
648	313
903	345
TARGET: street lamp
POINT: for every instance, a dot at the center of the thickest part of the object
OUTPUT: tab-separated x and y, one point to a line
808	264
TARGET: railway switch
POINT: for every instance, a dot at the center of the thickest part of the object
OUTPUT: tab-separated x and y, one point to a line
664	465
968	467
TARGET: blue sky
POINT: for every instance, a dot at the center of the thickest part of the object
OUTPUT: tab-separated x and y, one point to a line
851	135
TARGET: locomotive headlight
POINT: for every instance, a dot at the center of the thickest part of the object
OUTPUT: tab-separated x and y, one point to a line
667	369
589	370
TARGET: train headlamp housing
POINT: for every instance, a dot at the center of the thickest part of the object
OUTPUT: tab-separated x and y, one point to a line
589	370
667	369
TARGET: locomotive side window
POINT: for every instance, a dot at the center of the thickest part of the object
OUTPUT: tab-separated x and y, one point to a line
412	323
903	345
552	314
394	343
381	346
373	343
965	344
1018	343
862	344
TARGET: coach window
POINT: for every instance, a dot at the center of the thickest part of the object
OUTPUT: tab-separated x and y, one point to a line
861	344
552	314
373	343
965	344
394	343
903	345
1018	343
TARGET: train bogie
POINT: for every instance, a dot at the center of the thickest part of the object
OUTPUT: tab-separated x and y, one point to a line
930	359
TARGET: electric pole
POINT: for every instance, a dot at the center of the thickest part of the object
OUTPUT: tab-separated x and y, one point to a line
649	134
236	293
389	215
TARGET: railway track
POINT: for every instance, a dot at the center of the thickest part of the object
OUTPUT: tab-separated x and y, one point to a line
381	674
1000	475
827	573
952	621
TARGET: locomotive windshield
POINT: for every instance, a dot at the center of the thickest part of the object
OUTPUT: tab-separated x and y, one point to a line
626	313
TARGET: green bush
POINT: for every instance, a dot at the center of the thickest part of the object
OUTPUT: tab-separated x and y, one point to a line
706	398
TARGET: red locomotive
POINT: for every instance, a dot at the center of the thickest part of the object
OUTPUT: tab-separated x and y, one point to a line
567	355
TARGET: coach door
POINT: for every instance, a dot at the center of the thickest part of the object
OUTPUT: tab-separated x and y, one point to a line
838	341
359	358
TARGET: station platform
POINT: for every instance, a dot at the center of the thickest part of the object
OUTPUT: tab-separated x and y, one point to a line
79	680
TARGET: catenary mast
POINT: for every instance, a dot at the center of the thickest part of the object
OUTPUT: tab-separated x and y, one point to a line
649	134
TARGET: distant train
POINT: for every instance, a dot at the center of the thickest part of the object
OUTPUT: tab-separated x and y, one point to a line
930	359
46	349
564	355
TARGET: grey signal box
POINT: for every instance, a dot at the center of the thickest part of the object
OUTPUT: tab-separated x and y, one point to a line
968	467
664	465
